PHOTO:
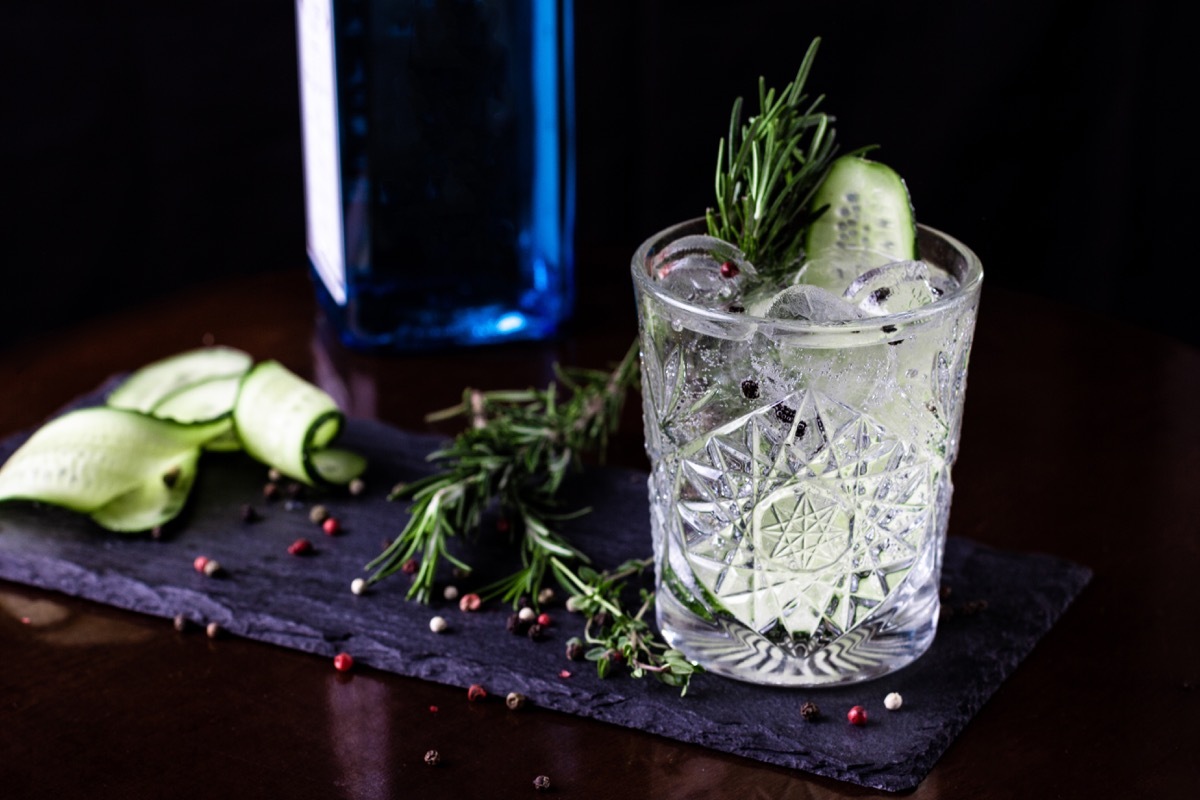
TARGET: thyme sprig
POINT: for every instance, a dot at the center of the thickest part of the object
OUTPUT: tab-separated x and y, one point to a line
617	636
512	457
768	169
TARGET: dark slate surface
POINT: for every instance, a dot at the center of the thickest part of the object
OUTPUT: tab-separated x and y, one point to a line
305	603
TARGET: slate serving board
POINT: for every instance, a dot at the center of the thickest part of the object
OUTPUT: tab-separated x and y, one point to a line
305	603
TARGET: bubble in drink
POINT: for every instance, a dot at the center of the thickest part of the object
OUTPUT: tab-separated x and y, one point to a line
702	270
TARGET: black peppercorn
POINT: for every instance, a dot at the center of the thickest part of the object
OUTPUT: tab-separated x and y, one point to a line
809	711
750	388
516	625
541	783
534	632
433	758
249	513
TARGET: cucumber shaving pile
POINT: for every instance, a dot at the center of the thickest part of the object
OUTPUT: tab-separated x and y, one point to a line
130	463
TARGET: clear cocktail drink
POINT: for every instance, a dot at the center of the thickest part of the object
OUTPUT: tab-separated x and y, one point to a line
801	439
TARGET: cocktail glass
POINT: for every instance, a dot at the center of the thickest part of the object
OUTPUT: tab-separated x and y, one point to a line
800	484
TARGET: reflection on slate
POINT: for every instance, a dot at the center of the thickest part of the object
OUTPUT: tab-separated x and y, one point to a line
305	603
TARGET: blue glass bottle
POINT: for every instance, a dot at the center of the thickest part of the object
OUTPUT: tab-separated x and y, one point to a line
439	168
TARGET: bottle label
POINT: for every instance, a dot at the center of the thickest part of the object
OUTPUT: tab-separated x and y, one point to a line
319	124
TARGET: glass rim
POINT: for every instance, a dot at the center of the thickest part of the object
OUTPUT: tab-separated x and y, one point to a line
969	285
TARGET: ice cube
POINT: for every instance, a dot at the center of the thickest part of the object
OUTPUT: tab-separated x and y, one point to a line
893	288
805	302
702	270
836	269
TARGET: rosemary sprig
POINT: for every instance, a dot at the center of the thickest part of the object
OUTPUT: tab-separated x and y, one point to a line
768	169
513	456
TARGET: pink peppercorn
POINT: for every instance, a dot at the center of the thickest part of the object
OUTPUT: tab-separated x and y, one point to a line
729	270
857	715
342	662
475	693
300	547
543	619
470	602
331	527
200	563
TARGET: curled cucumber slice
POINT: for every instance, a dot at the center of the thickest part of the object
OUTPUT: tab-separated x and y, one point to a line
162	382
128	470
285	421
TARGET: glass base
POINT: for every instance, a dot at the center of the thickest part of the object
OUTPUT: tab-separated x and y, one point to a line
888	641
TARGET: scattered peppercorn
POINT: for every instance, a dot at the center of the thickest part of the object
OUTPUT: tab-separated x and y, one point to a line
515	701
544	620
438	624
410	566
564	673
156	532
545	596
318	514
810	711
535	632
450	593
182	623
893	701
300	547
213	568
475	693
356	486
343	662
432	758
295	490
358	586
857	715
470	602
274	475
271	492
541	783
331	526
514	624
249	513
574	648
750	388
527	614
199	563
214	630
729	270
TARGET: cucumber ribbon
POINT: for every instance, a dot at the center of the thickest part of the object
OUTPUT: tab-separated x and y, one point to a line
130	463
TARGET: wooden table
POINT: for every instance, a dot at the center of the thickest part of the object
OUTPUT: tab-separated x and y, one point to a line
1081	439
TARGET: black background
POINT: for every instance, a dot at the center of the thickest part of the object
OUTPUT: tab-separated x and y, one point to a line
151	146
